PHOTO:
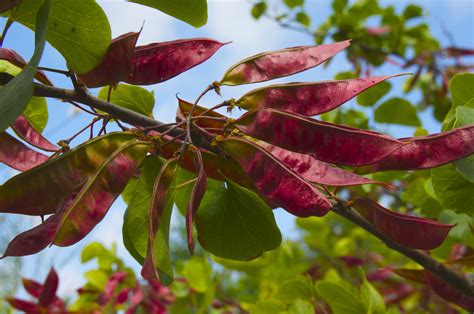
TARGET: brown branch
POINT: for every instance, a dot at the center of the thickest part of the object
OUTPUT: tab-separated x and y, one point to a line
448	275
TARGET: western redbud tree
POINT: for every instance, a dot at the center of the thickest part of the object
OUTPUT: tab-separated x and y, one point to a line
224	175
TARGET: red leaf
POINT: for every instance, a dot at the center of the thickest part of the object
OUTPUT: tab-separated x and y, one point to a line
158	62
25	306
429	151
448	292
395	295
116	65
400	228
157	206
378	30
274	64
351	261
50	287
197	194
415	275
99	193
135	300
15	154
280	185
34	240
458	52
25	130
32	287
6	5
14	58
379	275
112	283
315	170
308	98
325	141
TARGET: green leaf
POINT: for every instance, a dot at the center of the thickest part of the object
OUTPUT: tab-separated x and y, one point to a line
373	94
412	11
197	272
397	111
462	232
91	251
303	19
301	307
298	288
268	306
193	12
97	278
340	299
345	75
132	97
259	9
293	3
462	91
370	297
233	222
15	95
137	195
79	30
452	189
465	166
36	113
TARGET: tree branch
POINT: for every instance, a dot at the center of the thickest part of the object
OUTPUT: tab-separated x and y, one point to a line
448	275
340	208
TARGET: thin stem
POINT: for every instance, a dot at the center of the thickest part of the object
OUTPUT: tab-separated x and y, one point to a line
182	185
66	73
75	104
82	130
5	30
222	104
103	129
202	117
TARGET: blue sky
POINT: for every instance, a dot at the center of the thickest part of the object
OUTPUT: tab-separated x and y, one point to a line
229	20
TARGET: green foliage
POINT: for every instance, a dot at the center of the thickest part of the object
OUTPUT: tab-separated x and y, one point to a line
131	97
259	9
80	31
233	222
374	94
397	111
193	12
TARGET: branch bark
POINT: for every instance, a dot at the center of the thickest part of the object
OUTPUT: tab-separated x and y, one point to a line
448	275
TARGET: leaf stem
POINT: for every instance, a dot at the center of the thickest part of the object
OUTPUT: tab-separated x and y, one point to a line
5	30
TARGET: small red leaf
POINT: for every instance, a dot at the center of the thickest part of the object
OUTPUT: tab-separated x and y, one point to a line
25	306
274	64
135	300
14	58
415	275
280	185
429	151
458	52
25	130
116	65
196	196
328	142
32	287
34	240
400	228
112	283
379	275
315	170
158	62
50	286
448	292
378	30
308	98
15	154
